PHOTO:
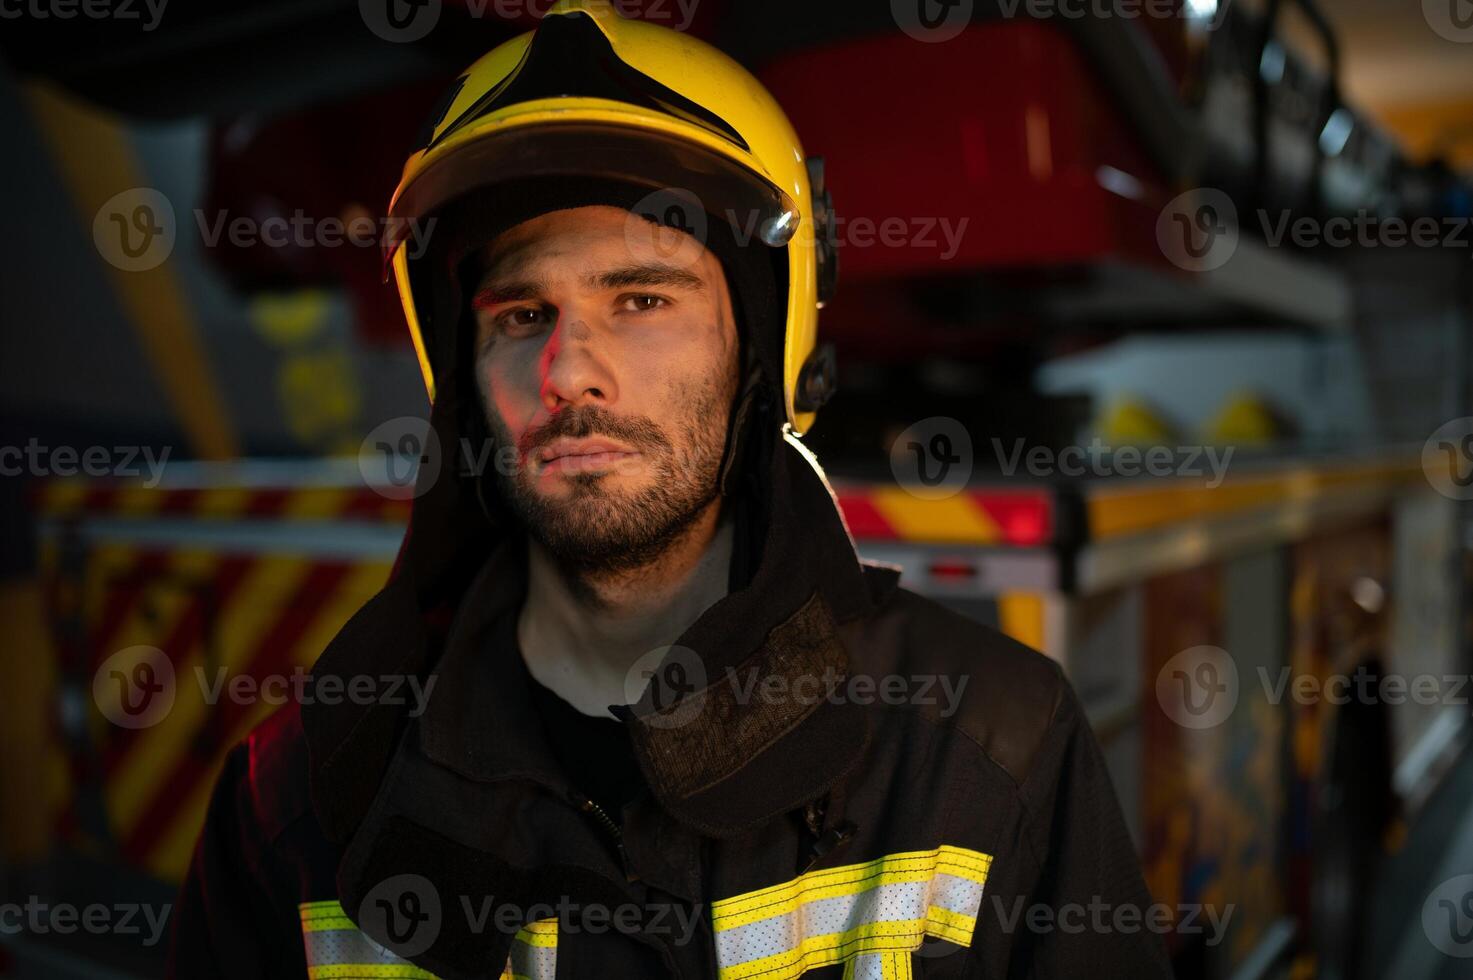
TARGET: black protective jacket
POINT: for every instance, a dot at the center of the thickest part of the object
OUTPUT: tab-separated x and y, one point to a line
821	807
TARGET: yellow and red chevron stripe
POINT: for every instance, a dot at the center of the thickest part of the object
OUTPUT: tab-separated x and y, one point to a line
78	498
1006	518
256	614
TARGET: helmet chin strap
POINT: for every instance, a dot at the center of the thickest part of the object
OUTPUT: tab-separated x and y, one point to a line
747	411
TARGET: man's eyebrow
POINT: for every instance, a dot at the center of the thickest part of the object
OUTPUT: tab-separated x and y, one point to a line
645	275
491	292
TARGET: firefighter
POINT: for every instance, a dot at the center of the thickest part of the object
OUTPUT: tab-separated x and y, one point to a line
675	727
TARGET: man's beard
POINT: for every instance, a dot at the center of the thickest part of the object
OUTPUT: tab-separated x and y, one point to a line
594	529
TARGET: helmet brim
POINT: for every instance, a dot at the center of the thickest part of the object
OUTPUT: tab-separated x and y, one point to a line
674	171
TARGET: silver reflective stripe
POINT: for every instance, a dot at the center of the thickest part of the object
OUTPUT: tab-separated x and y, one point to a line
959	895
343	947
878	966
870	916
534	953
846	917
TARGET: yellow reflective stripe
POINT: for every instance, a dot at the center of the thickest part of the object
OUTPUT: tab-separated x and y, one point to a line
327	923
536	963
365	971
952	926
847	880
319	916
542	934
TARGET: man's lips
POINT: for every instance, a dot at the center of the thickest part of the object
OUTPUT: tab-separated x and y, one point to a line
580	455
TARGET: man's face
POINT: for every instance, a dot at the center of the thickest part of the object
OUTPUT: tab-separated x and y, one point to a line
606	353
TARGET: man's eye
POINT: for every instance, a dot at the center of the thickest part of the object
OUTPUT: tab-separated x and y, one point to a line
521	322
642	302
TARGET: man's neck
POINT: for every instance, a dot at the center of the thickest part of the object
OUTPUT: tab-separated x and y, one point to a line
580	638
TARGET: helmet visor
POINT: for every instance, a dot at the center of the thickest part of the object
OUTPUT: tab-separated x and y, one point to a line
688	184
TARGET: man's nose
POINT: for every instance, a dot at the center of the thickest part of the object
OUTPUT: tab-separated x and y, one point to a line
575	370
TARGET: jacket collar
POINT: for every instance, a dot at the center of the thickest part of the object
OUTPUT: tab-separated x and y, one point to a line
721	759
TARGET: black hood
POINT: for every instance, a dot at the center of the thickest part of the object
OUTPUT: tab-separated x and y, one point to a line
795	571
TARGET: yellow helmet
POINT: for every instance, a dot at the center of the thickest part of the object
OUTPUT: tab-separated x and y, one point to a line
591	93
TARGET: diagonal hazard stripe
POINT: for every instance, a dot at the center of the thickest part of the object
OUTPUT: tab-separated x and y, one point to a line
361	583
320	503
61	496
249	593
174	845
169	857
952	520
135	757
1024	519
272	613
119	577
222	502
368	504
864	519
274	653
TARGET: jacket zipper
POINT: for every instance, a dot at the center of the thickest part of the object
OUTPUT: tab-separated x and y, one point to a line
587	805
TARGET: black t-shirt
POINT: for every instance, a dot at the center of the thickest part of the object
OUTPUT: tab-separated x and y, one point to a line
594	752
